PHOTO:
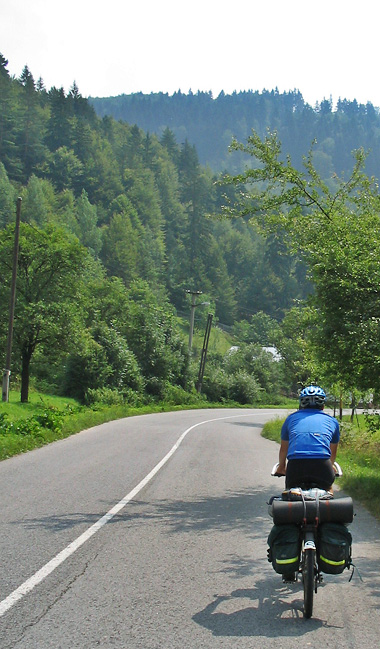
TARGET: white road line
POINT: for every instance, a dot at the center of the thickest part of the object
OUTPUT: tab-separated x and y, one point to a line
49	567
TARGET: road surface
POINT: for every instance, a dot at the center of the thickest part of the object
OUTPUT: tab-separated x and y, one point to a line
150	532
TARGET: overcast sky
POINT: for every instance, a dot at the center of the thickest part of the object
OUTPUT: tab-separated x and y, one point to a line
321	47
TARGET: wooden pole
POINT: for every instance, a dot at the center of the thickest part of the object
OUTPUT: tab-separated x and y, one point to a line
204	353
7	370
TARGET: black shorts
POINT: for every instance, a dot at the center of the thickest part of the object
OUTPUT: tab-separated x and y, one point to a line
318	472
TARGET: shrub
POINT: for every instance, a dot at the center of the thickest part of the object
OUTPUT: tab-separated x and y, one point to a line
347	433
244	388
256	361
50	418
87	368
4	423
124	368
372	421
104	396
216	384
175	395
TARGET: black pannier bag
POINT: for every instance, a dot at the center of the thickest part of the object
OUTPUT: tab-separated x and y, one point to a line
284	548
334	548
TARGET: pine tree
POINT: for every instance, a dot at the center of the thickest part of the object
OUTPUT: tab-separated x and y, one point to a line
9	115
169	142
3	66
59	127
7	199
26	78
30	138
196	194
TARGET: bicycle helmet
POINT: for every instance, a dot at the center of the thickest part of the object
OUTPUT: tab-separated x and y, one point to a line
312	397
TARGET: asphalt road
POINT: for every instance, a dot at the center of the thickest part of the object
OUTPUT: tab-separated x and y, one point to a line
180	559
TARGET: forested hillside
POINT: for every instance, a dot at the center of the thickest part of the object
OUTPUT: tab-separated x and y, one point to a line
139	203
115	229
210	124
119	222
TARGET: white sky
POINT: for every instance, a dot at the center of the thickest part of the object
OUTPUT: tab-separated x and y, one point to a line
320	47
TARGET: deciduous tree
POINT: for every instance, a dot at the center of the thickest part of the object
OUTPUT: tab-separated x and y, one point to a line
335	227
49	278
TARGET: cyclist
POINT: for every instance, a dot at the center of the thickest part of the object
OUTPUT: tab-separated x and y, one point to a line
309	442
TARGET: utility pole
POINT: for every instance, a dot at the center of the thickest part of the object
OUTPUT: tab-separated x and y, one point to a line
192	313
204	353
7	371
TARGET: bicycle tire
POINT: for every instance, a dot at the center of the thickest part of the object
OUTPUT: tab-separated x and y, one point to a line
308	578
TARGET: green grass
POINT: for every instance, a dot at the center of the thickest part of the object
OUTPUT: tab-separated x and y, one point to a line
47	418
359	457
17	410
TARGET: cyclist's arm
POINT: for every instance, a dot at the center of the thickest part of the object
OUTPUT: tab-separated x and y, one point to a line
333	449
282	457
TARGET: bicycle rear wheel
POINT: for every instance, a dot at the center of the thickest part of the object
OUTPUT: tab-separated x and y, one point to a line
308	578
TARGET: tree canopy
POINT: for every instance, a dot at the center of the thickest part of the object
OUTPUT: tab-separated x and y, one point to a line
119	222
334	227
209	123
49	277
138	202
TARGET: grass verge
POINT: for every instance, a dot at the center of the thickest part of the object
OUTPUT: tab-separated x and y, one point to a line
358	455
45	419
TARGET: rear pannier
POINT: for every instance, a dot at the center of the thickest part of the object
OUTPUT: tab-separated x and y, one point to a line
334	548
284	548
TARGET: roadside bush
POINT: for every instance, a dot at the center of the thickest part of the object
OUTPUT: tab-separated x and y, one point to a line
86	368
175	395
347	433
3	423
124	367
244	388
257	362
216	384
104	396
372	422
156	388
49	419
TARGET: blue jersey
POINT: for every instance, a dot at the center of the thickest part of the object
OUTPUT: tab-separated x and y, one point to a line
310	433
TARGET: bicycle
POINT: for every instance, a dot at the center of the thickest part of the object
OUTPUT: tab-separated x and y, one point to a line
309	508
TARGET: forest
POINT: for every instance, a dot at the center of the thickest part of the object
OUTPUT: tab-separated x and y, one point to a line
210	124
120	218
115	229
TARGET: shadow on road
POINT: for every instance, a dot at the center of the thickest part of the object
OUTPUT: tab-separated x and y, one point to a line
245	509
257	612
